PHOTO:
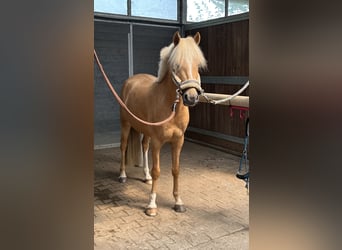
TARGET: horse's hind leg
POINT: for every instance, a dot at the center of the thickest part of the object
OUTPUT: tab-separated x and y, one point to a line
145	144
125	129
176	150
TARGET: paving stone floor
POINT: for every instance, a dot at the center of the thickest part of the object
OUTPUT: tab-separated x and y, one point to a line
217	203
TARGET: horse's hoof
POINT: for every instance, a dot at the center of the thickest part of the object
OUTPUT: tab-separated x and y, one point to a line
122	179
151	212
179	208
148	182
243	176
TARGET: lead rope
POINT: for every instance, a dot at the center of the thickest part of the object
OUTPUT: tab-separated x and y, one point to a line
228	98
124	105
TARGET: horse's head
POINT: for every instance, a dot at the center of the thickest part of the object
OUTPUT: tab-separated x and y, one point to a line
185	60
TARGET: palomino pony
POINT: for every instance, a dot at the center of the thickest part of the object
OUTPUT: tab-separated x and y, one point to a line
151	99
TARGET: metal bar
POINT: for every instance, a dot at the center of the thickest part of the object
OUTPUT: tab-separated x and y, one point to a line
130	51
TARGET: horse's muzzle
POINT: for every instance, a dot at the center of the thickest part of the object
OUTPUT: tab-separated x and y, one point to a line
190	98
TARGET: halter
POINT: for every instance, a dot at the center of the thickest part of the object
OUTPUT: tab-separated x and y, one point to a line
184	85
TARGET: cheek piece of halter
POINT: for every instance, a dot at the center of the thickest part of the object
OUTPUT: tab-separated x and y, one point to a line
183	86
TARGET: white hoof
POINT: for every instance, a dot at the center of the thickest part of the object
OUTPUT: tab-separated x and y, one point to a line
148	181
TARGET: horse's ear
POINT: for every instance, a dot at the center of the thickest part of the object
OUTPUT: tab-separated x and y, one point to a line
197	38
176	38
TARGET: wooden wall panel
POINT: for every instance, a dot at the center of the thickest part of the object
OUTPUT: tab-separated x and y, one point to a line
226	48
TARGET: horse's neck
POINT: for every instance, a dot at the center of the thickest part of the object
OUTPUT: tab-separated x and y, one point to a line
168	88
172	92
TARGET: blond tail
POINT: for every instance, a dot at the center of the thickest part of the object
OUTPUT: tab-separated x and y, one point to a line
134	154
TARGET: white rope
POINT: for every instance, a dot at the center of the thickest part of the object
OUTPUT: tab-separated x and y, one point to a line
230	97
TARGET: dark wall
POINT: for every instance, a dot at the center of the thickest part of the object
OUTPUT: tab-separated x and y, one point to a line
147	43
226	48
111	45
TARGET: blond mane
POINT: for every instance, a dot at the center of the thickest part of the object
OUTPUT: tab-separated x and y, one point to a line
172	56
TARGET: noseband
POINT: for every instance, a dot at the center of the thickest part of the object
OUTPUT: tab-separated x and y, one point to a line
182	86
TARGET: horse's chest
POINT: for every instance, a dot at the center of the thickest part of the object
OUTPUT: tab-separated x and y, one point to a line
175	131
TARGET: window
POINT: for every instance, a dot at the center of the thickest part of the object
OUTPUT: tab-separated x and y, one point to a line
237	6
164	9
202	10
111	6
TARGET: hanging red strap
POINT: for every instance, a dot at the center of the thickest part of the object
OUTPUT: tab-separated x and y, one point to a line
242	110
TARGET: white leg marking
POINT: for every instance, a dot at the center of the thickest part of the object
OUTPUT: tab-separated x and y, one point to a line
123	174
179	201
152	203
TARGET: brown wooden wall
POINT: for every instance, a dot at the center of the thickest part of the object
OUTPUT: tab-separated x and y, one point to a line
226	48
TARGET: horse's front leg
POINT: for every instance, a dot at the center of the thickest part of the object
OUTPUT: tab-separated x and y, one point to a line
176	150
151	209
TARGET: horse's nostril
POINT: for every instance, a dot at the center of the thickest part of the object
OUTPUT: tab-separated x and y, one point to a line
186	96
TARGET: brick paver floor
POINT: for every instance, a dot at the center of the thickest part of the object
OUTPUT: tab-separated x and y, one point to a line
217	203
